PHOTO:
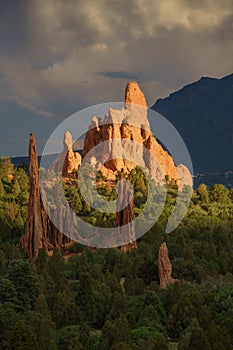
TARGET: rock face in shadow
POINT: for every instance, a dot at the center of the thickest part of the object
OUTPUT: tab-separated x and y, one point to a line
164	267
39	231
68	160
125	230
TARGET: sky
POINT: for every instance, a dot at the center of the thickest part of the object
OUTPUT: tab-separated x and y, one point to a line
59	56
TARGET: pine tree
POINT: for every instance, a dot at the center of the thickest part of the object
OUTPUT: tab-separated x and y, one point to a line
1	190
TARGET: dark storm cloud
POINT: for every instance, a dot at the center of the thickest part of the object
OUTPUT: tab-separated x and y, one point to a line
15	32
120	75
51	50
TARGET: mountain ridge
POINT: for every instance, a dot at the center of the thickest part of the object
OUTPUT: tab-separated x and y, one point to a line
202	114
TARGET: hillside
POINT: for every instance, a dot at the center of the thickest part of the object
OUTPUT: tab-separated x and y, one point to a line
101	299
202	112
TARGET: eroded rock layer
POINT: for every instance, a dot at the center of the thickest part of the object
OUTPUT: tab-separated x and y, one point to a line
118	142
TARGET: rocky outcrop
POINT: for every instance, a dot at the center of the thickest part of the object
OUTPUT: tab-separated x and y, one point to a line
184	176
68	160
124	134
39	231
164	267
125	230
93	136
34	237
159	162
134	95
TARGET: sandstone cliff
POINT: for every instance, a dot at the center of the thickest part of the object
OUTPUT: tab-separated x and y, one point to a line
124	133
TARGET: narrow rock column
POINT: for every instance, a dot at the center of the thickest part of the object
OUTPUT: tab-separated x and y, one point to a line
125	216
164	267
32	239
40	232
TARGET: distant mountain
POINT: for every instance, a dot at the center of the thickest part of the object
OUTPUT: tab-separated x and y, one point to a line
209	178
24	161
202	112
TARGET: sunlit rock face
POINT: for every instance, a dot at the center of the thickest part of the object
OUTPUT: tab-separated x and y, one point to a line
125	133
68	160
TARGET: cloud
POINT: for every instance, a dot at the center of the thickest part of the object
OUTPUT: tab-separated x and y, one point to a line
120	75
27	106
65	55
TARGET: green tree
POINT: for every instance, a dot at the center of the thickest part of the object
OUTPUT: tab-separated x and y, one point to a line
44	326
218	337
1	189
203	193
194	338
22	275
85	299
56	269
219	193
8	293
22	338
148	338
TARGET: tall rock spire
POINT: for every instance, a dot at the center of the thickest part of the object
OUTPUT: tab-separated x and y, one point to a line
134	95
125	230
164	267
39	230
33	238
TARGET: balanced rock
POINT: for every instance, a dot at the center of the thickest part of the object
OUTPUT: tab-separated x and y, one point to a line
164	267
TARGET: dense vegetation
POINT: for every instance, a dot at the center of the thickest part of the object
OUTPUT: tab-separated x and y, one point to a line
103	299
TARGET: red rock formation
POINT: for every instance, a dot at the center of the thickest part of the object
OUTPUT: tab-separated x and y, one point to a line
93	136
68	160
34	238
164	267
124	132
157	155
133	95
39	231
125	230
